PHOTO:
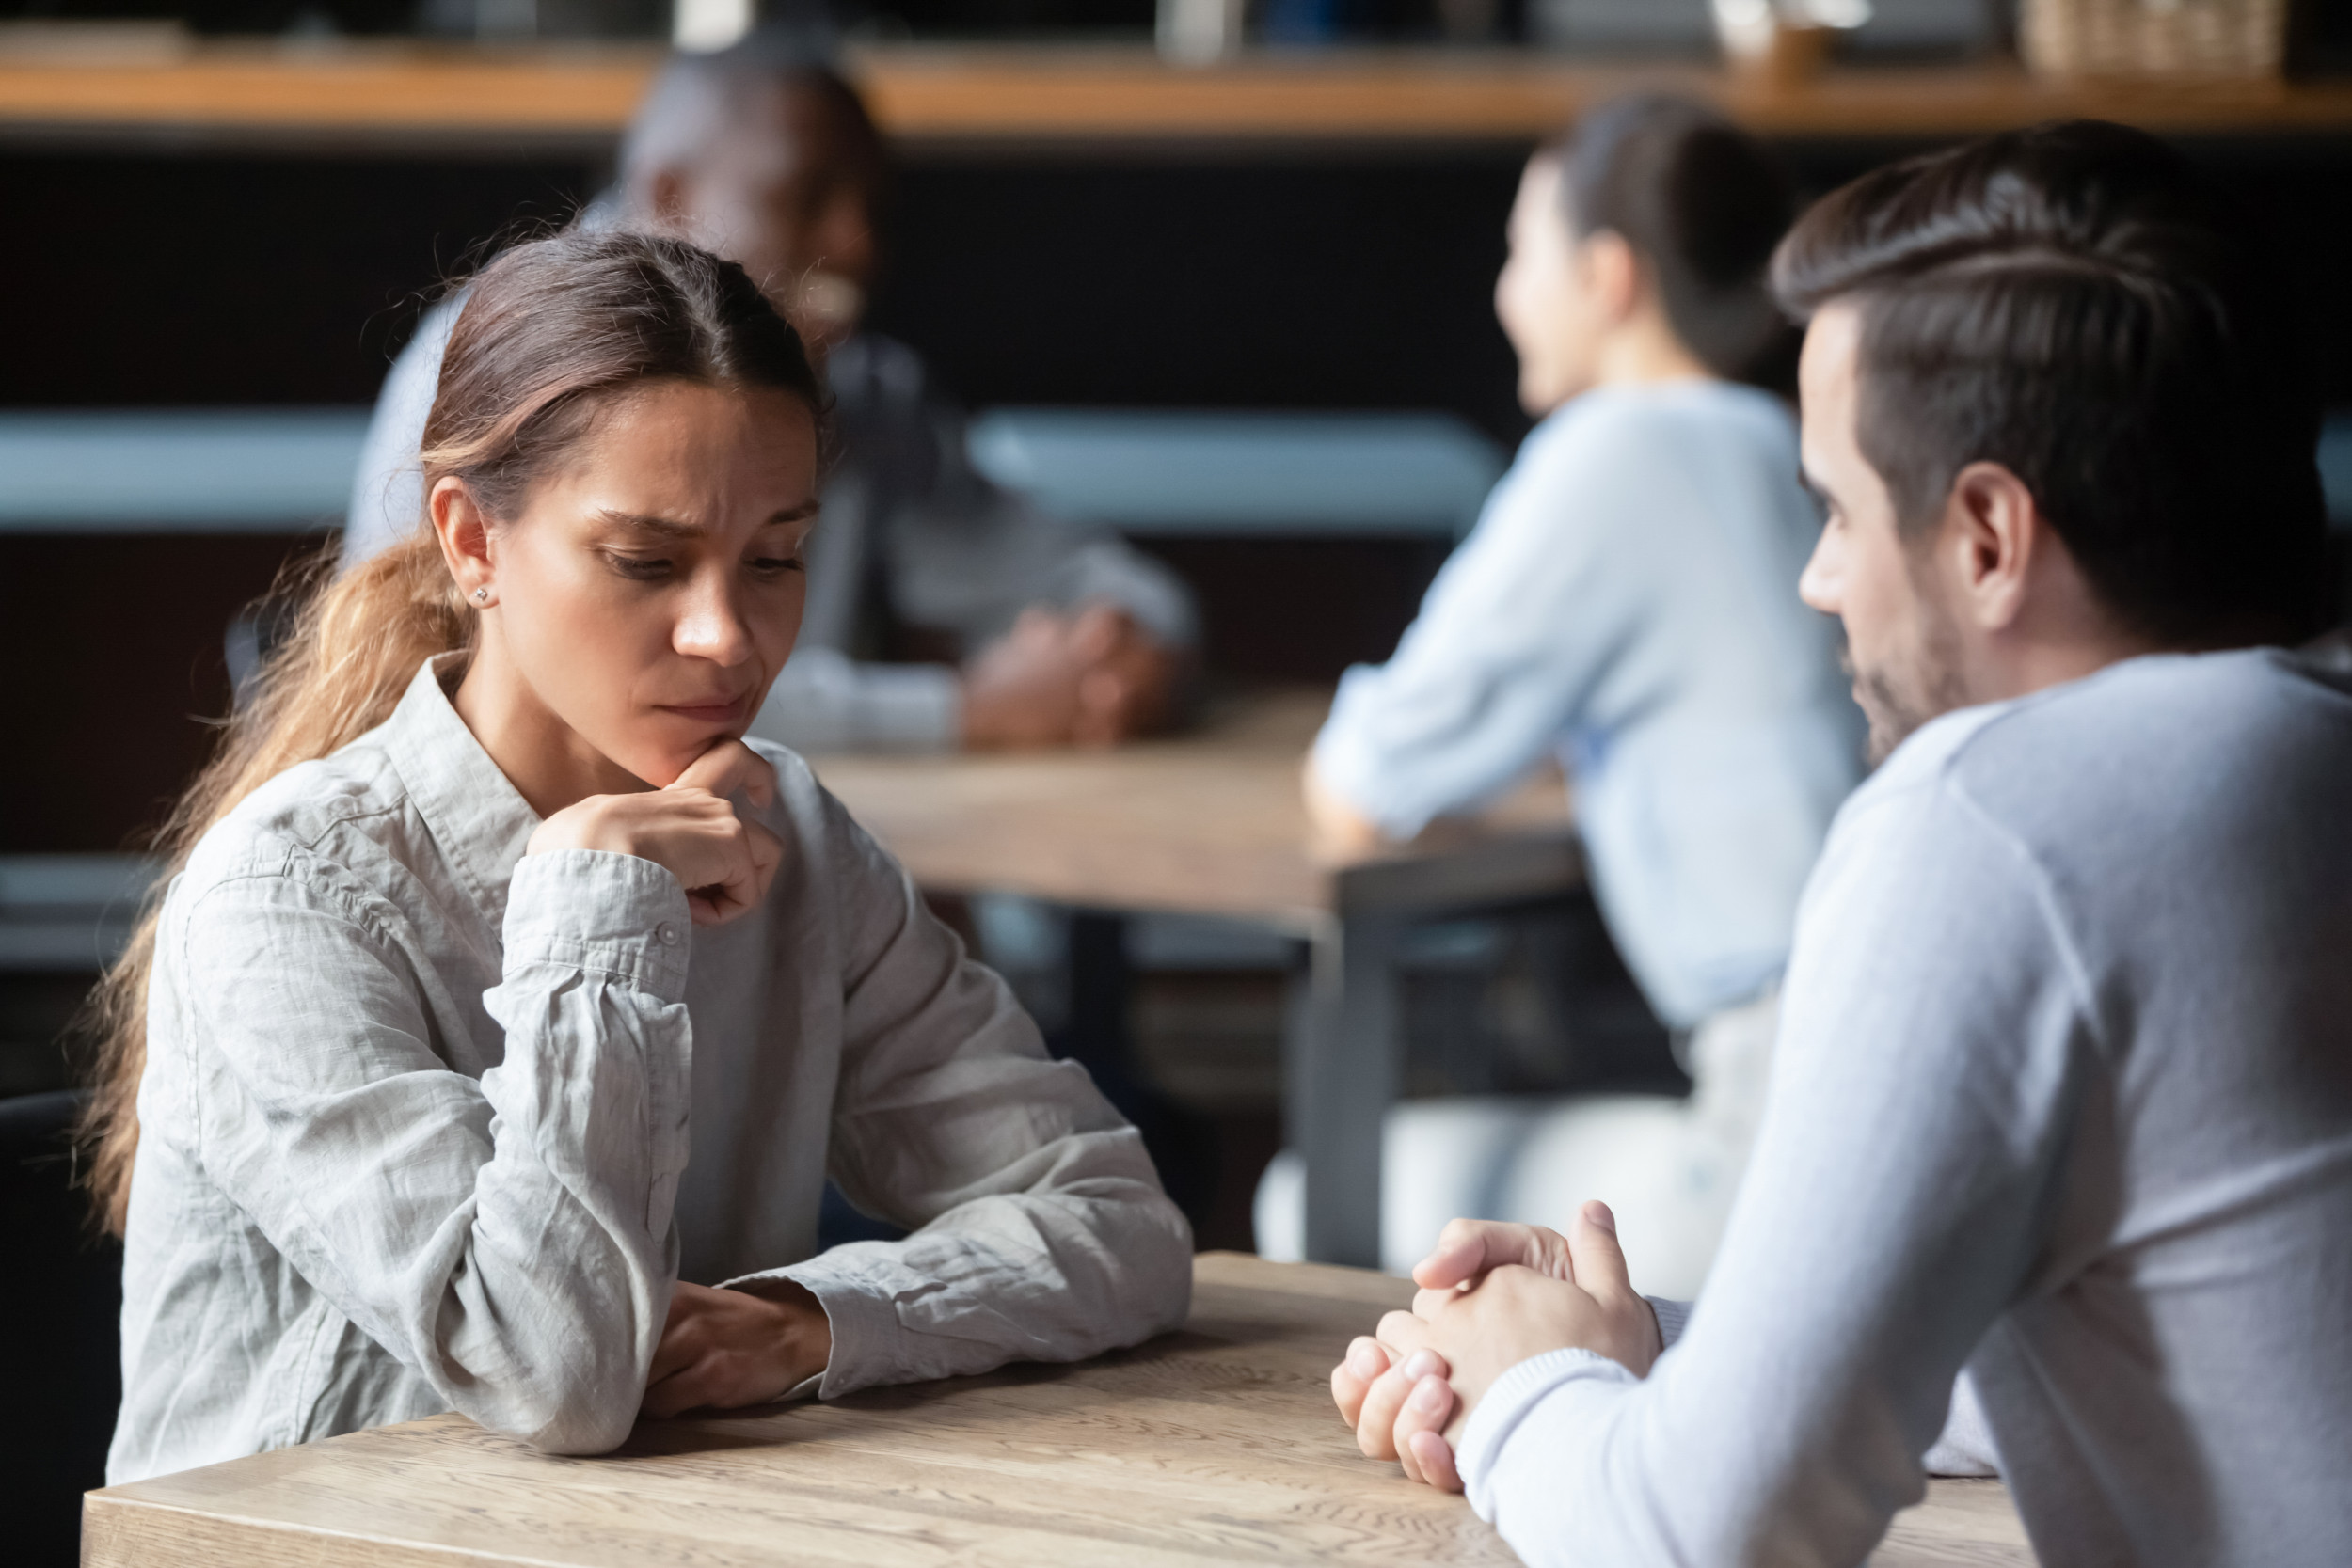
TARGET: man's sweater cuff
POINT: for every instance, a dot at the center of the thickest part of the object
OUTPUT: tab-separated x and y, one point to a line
1673	1318
1508	1402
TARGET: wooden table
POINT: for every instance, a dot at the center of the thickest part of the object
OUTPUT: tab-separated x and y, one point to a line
1212	823
1217	1444
392	92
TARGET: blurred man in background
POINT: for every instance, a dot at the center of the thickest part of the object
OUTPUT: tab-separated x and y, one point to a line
942	610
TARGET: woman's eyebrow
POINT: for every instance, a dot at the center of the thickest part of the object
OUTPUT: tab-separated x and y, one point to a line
671	529
665	527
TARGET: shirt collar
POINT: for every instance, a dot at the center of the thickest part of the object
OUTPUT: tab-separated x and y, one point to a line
479	820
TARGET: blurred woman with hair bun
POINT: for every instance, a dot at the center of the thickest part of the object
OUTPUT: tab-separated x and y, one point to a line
1627	605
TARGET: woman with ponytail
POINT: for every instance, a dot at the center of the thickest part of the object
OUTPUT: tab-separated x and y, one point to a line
485	906
1626	606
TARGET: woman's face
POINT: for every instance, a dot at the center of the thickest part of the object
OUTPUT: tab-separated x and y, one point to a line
648	592
1550	301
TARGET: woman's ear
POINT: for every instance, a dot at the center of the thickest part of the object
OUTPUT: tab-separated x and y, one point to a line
464	531
1613	273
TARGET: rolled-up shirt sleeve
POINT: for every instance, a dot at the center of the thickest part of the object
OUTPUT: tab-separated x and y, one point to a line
1935	1047
970	555
1039	1229
969	558
509	1238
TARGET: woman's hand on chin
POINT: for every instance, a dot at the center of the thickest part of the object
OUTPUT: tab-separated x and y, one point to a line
691	828
723	1349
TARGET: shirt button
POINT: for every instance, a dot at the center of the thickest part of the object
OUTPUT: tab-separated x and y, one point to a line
668	933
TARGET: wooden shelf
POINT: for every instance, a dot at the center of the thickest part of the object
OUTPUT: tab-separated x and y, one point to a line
339	95
1417	95
396	93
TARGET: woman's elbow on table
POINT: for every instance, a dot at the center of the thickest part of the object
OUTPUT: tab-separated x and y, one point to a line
566	1410
1158	1252
562	1370
587	1426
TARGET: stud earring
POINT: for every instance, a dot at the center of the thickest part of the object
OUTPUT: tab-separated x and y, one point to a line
482	596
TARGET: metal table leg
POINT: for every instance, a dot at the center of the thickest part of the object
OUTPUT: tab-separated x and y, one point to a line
1344	1062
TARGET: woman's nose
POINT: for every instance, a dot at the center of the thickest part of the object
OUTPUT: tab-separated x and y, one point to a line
711	625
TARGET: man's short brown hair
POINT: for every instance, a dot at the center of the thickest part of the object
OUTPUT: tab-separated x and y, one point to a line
2070	302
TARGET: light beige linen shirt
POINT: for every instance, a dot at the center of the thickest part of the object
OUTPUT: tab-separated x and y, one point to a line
417	1112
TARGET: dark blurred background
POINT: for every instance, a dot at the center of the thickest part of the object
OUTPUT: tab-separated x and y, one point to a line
1348	279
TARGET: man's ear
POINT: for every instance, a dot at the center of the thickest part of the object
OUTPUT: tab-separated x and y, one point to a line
1993	532
463	529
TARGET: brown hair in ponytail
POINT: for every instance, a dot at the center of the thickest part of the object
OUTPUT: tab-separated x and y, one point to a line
550	331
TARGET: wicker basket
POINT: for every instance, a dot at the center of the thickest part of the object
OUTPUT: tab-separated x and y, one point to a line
2162	39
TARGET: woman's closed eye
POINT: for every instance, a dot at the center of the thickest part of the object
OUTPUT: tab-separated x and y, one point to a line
639	568
775	566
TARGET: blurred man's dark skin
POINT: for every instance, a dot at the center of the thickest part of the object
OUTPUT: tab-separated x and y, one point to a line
1058	637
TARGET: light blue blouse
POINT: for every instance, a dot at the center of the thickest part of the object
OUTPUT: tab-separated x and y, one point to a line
1628	600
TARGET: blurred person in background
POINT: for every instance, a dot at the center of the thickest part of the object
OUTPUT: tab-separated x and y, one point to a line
1626	604
1039	634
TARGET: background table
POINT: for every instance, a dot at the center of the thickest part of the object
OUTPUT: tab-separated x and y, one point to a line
1217	1444
1212	823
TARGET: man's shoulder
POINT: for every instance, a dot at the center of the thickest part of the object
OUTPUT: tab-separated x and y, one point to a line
1910	782
2158	740
2182	707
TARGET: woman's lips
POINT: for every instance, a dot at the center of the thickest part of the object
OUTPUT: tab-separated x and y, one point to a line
707	713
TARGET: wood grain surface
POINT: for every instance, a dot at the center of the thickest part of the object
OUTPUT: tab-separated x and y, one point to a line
1207	823
394	90
1216	1444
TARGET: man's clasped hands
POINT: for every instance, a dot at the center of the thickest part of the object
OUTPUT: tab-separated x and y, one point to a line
1492	1295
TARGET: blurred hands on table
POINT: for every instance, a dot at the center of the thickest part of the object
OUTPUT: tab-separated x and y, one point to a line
1092	676
1336	830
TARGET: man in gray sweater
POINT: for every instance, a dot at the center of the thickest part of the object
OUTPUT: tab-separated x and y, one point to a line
2063	1093
942	610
